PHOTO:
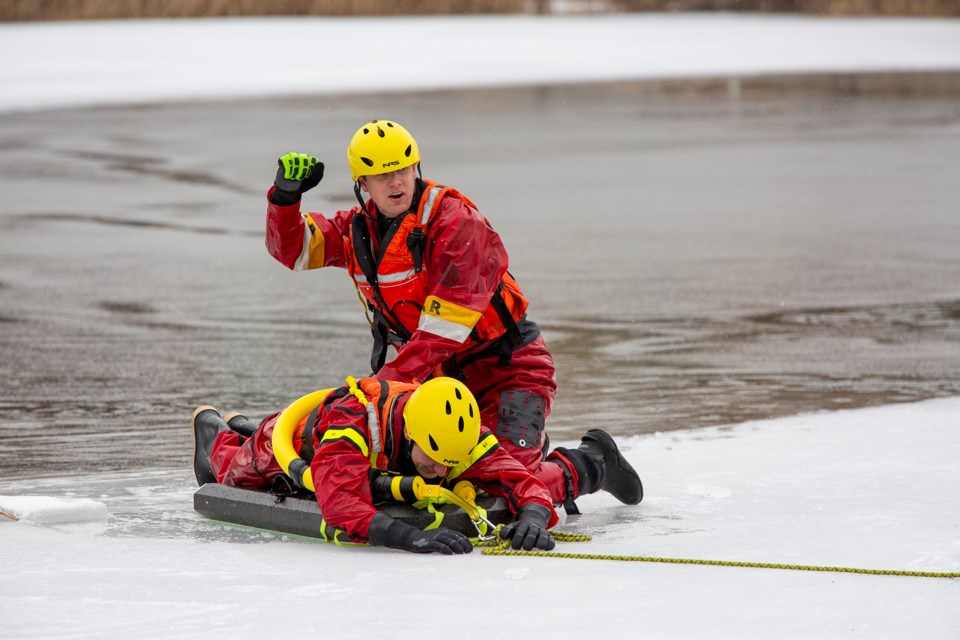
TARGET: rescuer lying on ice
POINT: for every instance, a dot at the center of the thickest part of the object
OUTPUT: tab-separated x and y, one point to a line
431	430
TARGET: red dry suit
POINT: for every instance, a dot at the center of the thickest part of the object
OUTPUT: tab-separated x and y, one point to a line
338	442
438	287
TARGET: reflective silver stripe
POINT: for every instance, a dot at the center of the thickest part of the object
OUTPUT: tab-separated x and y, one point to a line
443	328
304	259
427	208
390	278
374	428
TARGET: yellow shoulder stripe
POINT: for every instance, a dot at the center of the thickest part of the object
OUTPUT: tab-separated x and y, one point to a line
347	433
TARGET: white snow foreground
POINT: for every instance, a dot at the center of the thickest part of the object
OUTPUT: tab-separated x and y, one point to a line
70	64
870	488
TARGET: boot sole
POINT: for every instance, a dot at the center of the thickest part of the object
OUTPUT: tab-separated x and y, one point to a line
233	414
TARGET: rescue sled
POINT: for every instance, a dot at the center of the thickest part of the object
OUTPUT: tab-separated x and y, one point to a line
461	509
300	515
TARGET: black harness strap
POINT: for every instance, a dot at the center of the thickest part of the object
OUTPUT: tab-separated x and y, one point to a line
514	339
529	331
383	324
417	244
306	438
333	395
362	247
380	331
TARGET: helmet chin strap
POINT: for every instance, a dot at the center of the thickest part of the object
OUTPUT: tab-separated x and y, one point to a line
359	194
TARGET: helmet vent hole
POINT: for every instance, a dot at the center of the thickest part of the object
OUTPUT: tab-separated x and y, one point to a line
389	124
471	410
433	444
381	133
460	424
409	150
449	408
367	161
457	391
366	131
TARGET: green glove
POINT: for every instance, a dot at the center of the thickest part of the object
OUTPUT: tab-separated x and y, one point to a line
297	173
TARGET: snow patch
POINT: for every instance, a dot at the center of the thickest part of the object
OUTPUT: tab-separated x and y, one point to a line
47	510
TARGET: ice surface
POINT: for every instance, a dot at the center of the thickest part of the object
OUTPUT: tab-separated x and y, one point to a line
869	488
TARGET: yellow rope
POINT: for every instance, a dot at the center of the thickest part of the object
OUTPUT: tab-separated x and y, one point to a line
499	543
501	548
9	515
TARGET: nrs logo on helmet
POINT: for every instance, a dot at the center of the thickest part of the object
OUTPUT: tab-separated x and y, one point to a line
379	147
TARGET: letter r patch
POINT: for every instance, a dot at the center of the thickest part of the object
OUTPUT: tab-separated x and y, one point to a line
447	319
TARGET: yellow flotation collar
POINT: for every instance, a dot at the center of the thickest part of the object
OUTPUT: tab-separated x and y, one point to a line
287	422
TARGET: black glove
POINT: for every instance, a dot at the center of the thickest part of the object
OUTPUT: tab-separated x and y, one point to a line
397	534
297	173
530	529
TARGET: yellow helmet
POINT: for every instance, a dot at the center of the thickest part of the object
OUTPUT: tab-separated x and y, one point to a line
442	417
381	146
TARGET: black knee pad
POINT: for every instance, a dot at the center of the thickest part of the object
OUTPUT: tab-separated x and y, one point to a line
521	418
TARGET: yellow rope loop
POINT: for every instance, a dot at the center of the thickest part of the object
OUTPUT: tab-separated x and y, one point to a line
560	536
355	390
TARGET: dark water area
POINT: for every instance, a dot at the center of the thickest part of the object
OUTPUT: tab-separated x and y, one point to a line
692	260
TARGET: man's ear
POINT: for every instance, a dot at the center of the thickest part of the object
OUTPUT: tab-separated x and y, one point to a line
363	184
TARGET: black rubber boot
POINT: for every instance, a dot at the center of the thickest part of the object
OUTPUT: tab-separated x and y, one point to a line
600	466
207	423
241	424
